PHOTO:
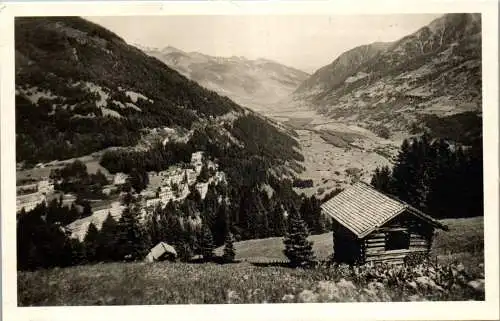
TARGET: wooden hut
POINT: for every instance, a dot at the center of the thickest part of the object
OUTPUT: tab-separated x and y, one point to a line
369	226
161	251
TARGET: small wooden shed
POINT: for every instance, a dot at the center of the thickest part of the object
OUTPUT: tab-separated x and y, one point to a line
370	226
161	251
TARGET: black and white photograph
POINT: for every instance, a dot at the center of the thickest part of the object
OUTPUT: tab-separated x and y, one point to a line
221	159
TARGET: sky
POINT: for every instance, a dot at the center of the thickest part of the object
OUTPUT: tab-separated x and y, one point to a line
303	42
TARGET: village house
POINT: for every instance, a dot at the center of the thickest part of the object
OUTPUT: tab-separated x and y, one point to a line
120	179
166	194
153	202
197	160
369	226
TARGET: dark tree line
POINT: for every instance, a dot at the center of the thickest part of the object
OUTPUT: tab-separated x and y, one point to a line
440	178
157	158
74	178
41	240
194	226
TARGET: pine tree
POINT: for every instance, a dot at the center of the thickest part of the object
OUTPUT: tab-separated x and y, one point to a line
278	224
221	224
131	241
229	252
87	209
204	174
306	213
108	239
264	230
318	217
298	249
91	243
381	179
77	252
207	243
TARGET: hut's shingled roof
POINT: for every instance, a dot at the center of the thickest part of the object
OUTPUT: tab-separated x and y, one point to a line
362	209
161	248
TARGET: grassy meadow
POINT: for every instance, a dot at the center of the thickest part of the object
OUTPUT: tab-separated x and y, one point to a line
457	275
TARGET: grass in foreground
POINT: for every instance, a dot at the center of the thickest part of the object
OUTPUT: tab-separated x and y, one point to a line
181	283
457	276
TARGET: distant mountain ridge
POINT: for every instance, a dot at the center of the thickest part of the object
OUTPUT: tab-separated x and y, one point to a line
436	70
81	89
247	82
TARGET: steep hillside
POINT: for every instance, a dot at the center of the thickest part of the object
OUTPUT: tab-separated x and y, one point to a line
384	87
250	83
338	72
81	89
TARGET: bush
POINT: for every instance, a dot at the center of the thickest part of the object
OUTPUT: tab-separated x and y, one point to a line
303	183
413	259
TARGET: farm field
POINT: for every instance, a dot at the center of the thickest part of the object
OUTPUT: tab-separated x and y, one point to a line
458	275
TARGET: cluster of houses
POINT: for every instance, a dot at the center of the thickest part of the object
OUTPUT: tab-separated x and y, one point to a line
165	186
30	195
174	184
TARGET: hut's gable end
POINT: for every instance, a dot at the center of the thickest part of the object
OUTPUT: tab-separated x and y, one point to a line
396	239
347	247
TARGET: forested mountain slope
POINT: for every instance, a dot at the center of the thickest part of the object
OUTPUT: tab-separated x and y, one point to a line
80	89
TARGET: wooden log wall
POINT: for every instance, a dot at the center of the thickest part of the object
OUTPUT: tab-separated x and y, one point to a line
374	245
347	247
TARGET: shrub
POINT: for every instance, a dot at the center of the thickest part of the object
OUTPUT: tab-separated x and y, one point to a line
413	259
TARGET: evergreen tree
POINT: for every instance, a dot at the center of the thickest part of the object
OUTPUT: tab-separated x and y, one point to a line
264	230
405	173
319	225
91	243
87	209
127	199
138	179
108	240
306	213
41	244
278	224
189	240
381	179
207	244
440	180
204	174
77	252
131	240
229	252
298	249
221	224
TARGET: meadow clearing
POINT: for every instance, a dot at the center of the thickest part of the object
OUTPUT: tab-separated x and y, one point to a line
456	272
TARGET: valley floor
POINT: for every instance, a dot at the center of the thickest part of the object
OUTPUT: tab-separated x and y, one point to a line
458	276
336	153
